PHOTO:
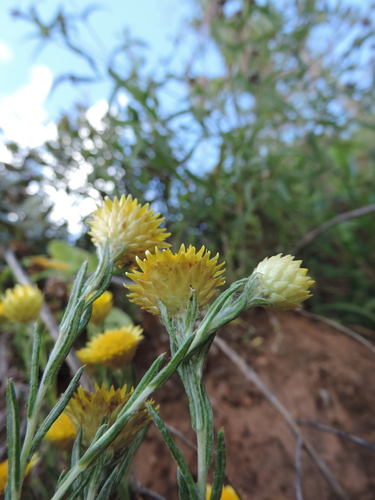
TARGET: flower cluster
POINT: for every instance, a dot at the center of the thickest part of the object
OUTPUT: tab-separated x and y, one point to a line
169	278
130	229
113	348
22	303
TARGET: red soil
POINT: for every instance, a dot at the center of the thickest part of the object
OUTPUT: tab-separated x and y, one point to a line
318	374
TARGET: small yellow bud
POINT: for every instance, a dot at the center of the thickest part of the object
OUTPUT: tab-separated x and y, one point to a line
62	432
130	228
22	303
282	282
228	493
101	307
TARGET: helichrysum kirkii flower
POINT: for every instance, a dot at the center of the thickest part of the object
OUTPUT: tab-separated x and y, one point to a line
22	303
113	348
101	307
228	493
87	409
130	228
62	432
170	277
282	282
4	472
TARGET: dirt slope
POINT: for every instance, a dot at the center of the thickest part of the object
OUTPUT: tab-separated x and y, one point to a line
318	373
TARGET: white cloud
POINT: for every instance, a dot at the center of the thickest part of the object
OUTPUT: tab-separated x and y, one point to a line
6	53
96	113
23	118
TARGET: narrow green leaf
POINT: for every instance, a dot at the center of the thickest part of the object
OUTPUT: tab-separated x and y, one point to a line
76	494
34	372
173	364
219	474
121	469
76	450
208	424
216	307
14	445
177	455
148	377
55	412
192	312
74	295
183	490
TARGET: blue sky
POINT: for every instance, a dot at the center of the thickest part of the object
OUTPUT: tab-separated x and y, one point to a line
26	72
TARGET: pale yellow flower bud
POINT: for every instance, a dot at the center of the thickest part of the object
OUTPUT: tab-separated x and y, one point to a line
282	282
129	227
22	303
101	307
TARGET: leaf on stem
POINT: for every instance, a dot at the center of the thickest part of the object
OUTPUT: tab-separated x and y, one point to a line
55	412
13	434
219	473
177	455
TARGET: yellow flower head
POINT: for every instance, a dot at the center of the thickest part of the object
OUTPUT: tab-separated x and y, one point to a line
130	228
169	278
101	307
22	303
62	432
283	283
1	309
47	263
228	493
87	409
4	472
114	348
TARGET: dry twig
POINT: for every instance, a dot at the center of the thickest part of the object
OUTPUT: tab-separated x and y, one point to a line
298	481
252	376
337	432
312	235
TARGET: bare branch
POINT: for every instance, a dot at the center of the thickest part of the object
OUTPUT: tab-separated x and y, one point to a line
312	235
337	432
298	481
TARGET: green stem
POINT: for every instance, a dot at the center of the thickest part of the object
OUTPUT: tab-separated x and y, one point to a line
201	415
202	462
92	493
